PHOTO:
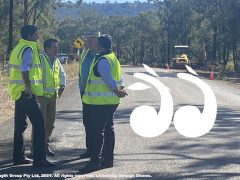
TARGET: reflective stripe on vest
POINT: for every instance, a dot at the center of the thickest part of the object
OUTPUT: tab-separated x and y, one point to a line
22	81
50	90
18	67
100	81
100	94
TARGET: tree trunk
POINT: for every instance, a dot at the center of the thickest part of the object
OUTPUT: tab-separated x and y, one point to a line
25	12
234	51
141	52
10	26
224	55
118	49
214	46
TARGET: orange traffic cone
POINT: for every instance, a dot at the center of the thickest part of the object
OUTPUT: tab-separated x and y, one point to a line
211	75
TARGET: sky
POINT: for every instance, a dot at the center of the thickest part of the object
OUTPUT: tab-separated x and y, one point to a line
112	1
119	1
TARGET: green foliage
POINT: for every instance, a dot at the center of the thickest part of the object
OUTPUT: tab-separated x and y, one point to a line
142	32
74	10
230	66
40	13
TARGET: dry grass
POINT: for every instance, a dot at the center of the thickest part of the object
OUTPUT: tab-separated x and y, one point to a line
6	104
71	70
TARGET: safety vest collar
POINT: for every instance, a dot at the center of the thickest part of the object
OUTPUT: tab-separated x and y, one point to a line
84	54
102	54
48	59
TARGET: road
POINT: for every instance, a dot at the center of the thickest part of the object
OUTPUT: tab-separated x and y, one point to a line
215	155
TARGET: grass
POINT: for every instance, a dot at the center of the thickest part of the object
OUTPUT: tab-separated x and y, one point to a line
6	104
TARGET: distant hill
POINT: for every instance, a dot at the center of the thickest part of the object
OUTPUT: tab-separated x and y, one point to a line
73	10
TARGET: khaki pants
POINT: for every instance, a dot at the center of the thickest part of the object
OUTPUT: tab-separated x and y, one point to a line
48	109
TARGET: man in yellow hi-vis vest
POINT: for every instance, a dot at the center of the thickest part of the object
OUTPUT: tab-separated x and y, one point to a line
102	93
24	85
54	82
86	59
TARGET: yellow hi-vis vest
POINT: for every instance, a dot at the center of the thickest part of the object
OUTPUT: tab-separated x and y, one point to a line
82	58
51	77
96	91
16	84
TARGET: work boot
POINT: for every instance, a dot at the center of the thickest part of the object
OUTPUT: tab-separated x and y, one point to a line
49	152
23	161
43	163
85	155
90	167
106	164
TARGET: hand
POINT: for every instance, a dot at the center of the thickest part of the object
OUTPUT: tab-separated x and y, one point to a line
60	91
121	87
121	93
28	92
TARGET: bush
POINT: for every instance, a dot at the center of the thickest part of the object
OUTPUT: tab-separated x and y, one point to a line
230	66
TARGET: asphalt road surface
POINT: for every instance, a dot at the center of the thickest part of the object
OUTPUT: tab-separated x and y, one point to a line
215	155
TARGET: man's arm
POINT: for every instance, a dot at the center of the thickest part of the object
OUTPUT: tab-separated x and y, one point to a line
63	80
25	76
104	70
121	84
27	59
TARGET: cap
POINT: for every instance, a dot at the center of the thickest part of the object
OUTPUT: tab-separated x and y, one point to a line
105	41
93	33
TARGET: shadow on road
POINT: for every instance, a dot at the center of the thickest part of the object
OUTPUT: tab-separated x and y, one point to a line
69	115
67	160
193	175
222	150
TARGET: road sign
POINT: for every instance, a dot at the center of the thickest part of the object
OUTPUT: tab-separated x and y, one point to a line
78	43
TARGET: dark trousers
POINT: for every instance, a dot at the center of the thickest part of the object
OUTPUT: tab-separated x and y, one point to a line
87	125
28	108
103	132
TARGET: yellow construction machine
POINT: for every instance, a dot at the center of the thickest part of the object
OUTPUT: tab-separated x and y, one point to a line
181	57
